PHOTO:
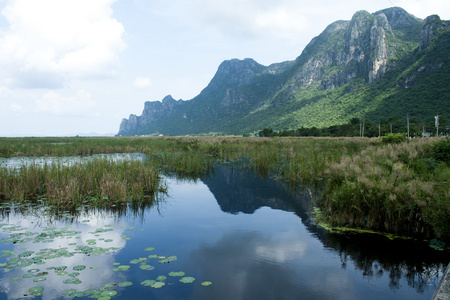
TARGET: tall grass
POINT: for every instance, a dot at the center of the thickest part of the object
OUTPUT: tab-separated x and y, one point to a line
400	188
394	188
99	180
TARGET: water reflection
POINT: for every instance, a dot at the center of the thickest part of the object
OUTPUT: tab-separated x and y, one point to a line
17	162
243	191
64	245
263	247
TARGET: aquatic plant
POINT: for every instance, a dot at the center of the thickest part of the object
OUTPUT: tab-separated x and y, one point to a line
389	189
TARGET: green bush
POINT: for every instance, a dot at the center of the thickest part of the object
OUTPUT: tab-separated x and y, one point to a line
440	150
393	138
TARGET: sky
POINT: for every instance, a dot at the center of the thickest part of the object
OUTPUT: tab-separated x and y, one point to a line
78	67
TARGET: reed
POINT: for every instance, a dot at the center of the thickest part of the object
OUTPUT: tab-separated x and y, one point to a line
99	181
400	188
393	188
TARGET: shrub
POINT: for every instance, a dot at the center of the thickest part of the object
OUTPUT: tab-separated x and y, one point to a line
393	138
440	150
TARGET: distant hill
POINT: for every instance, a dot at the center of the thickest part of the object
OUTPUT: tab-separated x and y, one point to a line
375	66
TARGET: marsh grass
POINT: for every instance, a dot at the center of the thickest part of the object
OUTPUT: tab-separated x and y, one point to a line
393	188
99	180
400	188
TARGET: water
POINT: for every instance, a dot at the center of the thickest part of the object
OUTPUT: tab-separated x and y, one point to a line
17	162
251	237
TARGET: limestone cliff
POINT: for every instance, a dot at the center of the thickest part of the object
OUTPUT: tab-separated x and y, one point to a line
245	96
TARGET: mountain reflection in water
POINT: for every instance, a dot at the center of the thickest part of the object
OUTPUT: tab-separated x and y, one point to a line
243	191
251	236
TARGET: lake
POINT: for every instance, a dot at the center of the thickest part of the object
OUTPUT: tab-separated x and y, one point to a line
235	234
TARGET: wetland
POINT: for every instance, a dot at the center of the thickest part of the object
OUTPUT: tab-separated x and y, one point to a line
222	218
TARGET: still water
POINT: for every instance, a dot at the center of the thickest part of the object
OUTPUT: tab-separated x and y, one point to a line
251	237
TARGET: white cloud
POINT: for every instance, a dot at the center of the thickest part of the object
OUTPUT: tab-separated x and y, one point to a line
57	104
51	41
252	18
142	82
15	107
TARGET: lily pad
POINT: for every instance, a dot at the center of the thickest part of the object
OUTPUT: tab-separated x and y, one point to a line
206	283
61	273
158	285
110	285
16	278
177	274
147	267
125	284
167	260
39	279
123	267
149	249
72	281
161	278
148	282
187	279
79	268
36	290
108	293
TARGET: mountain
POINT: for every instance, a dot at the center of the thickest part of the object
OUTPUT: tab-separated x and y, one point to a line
375	66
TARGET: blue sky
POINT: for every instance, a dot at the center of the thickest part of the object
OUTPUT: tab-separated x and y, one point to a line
72	67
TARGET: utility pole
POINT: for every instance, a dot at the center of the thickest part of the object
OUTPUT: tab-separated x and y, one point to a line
407	121
437	123
363	128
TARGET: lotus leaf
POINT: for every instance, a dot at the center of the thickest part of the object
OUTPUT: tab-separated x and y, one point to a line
177	274
108	293
147	267
148	282
187	279
167	260
60	273
36	289
15	278
104	298
69	292
33	270
38	279
124	267
149	249
28	275
109	285
74	274
206	283
79	268
78	294
26	254
72	281
161	278
158	285
125	284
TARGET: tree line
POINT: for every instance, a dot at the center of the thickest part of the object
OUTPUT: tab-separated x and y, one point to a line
366	128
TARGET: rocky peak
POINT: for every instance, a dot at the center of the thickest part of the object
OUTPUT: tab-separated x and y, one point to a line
235	72
430	26
167	99
398	17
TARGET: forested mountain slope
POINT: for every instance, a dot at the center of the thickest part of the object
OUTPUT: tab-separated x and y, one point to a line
375	66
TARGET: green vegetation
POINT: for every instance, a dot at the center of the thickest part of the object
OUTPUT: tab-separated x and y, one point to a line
399	188
388	185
